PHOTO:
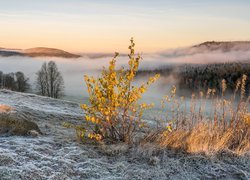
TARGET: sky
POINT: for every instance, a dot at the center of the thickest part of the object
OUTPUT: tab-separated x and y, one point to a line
107	25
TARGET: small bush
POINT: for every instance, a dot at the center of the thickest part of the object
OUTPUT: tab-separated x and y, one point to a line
114	112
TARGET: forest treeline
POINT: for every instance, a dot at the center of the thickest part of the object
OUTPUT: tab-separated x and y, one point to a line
210	76
200	77
14	81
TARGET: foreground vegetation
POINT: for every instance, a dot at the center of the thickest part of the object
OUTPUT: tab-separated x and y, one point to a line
114	113
56	154
212	122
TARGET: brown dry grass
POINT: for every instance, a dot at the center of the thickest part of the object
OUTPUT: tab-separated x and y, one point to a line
224	124
203	138
5	108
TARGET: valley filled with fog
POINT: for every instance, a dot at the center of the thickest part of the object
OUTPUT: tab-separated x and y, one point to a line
167	63
73	71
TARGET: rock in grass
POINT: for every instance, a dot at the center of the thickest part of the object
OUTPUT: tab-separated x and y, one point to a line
33	133
12	125
153	161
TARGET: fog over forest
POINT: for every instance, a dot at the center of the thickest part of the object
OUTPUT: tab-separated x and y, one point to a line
73	69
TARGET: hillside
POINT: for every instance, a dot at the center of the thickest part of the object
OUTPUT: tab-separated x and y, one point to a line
38	52
202	48
208	47
57	155
225	46
48	52
9	53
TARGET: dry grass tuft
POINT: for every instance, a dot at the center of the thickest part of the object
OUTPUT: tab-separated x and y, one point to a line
212	124
202	138
5	108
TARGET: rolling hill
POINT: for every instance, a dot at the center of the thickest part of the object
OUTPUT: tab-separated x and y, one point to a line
209	47
224	46
48	52
38	52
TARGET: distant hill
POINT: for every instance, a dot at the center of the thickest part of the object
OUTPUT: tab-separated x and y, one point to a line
208	47
48	52
7	53
38	52
225	46
205	47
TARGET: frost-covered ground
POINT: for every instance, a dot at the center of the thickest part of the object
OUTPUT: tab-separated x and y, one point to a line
57	155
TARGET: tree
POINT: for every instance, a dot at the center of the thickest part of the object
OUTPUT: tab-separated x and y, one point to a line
41	80
21	82
1	79
50	81
9	81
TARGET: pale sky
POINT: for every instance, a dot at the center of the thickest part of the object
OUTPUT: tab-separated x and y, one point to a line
107	25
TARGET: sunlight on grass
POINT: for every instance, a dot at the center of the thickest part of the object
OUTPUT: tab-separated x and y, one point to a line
5	108
212	123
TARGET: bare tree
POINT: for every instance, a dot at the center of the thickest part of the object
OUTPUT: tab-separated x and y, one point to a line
41	81
1	79
50	81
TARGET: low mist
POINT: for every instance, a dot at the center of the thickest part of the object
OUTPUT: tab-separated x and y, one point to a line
73	70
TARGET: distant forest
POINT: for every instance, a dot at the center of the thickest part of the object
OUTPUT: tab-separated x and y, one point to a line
200	77
14	81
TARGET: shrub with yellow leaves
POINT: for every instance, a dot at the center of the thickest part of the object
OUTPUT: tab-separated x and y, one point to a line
246	119
114	112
